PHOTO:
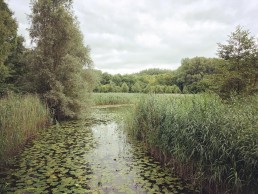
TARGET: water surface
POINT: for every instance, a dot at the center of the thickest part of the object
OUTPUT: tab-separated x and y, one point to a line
90	156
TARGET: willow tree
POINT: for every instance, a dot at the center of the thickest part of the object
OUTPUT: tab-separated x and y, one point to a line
59	58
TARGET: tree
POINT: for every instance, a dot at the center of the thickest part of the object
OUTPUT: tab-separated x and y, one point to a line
193	71
136	88
17	66
125	88
59	58
8	33
241	56
105	78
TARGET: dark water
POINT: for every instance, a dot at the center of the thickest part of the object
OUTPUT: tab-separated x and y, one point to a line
91	156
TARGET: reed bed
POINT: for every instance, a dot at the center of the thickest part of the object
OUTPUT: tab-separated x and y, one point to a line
211	143
115	98
21	117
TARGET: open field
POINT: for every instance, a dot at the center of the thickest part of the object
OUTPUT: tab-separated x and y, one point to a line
209	142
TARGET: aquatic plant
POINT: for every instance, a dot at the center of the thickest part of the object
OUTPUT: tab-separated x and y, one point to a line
212	143
20	119
89	156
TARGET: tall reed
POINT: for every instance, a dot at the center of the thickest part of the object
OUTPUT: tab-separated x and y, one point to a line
115	98
212	143
20	119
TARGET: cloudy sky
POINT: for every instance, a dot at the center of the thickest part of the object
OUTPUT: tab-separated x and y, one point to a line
127	36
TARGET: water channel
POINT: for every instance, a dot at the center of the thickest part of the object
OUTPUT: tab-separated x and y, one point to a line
90	156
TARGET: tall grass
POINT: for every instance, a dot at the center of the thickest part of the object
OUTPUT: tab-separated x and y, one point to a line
115	98
20	119
209	142
123	98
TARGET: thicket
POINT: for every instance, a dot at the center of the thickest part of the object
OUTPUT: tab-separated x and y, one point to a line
21	117
211	143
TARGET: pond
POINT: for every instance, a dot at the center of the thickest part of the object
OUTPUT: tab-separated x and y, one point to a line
90	156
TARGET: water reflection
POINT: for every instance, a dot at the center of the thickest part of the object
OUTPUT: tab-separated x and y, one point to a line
121	167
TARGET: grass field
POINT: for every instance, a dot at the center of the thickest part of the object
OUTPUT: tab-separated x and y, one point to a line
213	144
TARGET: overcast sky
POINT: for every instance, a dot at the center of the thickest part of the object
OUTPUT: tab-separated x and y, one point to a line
127	36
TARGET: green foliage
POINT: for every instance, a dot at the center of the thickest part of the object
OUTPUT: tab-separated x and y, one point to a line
21	117
155	71
136	88
192	73
174	89
216	142
241	55
149	81
8	33
58	59
125	87
115	98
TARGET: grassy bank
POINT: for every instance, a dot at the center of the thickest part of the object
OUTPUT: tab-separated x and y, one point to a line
213	144
20	119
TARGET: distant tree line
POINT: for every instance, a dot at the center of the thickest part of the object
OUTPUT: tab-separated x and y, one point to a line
57	67
235	72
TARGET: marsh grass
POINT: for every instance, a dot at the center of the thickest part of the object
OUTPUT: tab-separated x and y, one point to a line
124	98
115	98
214	144
20	119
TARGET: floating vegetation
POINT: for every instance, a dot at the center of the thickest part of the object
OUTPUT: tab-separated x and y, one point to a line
89	157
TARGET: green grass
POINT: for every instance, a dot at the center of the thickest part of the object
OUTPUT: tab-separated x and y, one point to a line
115	98
20	119
213	144
123	98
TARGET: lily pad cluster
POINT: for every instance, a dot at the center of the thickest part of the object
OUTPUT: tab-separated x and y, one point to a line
91	156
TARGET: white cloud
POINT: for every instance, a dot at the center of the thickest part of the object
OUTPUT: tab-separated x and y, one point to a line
148	40
127	35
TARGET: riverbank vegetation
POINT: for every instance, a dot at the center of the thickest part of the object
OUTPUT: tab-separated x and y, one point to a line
21	117
123	98
115	98
210	139
211	143
56	69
